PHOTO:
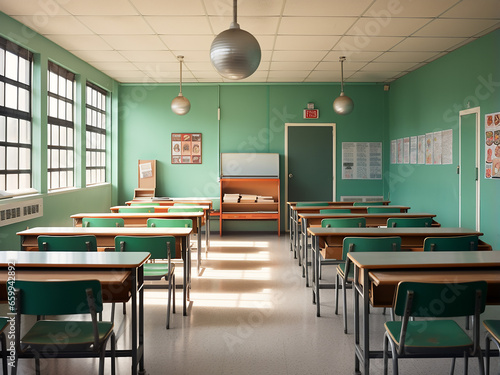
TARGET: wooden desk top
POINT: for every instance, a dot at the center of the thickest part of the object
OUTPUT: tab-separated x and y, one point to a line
160	208
72	259
309	215
171	201
106	231
104	276
317	208
148	215
387	232
427	259
335	203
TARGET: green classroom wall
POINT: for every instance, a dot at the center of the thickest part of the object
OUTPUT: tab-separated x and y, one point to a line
428	100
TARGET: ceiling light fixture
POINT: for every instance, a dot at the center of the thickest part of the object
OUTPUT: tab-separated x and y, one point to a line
180	105
235	53
343	105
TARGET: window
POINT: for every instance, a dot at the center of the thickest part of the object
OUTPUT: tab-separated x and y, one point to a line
60	128
96	134
15	117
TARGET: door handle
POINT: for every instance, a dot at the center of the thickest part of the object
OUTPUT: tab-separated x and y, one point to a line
290	175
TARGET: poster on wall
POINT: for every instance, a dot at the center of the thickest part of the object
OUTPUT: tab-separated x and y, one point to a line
429	148
447	146
438	151
361	160
492	147
400	150
394	152
421	149
186	148
406	150
413	150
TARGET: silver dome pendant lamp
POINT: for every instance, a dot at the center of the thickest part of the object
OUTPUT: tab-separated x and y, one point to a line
343	105
235	53
180	105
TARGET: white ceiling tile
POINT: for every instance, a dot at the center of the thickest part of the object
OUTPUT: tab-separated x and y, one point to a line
198	66
385	9
355	56
98	7
198	56
32	7
393	27
80	42
224	8
405	56
387	67
427	44
149	56
109	66
188	42
474	9
55	25
324	76
338	8
158	66
134	42
455	27
254	25
293	65
315	25
170	7
353	44
349	66
116	25
179	25
265	55
91	56
305	43
298	55
372	76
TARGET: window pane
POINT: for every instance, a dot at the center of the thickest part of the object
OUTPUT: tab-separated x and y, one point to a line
12	158
69	89
62	159
11	96
55	135
24	100
70	178
70	137
62	86
24	158
52	107
24	181
55	180
53	82
70	159
2	93
12	130
2	58
2	128
61	113
12	182
24	71
11	66
55	159
24	132
63	136
2	159
69	111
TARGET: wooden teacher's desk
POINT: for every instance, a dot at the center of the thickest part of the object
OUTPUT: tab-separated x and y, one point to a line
106	238
139	219
120	274
329	241
384	270
372	220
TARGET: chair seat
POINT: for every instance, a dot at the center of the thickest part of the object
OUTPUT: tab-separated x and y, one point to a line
431	336
156	269
341	272
3	323
493	327
63	333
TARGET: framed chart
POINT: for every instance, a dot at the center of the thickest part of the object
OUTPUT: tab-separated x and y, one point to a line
186	148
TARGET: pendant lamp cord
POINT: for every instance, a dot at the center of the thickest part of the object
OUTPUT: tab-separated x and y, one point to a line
342	74
234	24
180	83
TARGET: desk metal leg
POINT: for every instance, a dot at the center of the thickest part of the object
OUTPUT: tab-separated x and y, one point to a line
186	255
199	244
305	253
315	261
140	279
135	283
362	348
207	234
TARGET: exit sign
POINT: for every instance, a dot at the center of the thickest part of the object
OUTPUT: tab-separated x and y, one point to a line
311	113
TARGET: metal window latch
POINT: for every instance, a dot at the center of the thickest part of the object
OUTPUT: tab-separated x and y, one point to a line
458	169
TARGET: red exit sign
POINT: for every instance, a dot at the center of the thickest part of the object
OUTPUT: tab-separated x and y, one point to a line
311	113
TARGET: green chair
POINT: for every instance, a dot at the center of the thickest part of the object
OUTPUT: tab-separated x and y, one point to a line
378	203
455	243
492	335
383	210
185	209
170	223
4	323
136	209
349	222
312	204
144	204
62	338
161	248
186	204
409	222
67	243
345	271
335	211
102	222
441	337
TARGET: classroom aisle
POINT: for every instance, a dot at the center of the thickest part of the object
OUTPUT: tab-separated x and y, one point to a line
251	314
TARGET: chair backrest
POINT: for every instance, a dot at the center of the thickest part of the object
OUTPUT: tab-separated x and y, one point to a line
440	300
368	244
67	243
350	222
57	297
335	211
305	204
456	243
170	223
102	222
377	203
408	222
160	247
383	210
136	209
144	204
185	209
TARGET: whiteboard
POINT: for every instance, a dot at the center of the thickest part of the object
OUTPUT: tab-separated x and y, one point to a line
250	165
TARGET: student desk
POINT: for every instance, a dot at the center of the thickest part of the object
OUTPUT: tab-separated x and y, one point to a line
140	219
411	239
384	271
372	220
295	221
120	274
106	238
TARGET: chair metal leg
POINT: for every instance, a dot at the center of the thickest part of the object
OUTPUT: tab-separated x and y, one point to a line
113	354
101	360
169	300
37	363
344	294
113	313
452	369
466	364
173	295
385	348
337	285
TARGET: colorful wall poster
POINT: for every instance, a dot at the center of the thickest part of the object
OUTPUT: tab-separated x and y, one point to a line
186	148
492	146
437	150
429	148
394	152
413	150
400	150
421	149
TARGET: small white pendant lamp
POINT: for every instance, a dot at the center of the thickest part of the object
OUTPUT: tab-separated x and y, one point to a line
235	53
180	105
343	105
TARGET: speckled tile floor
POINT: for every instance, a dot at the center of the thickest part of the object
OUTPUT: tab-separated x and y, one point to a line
250	313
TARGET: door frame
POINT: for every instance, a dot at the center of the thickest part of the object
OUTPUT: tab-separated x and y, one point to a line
465	112
334	153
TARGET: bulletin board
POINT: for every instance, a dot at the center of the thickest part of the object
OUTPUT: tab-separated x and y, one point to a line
147	174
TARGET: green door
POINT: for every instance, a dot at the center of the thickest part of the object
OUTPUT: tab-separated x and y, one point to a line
310	163
468	171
